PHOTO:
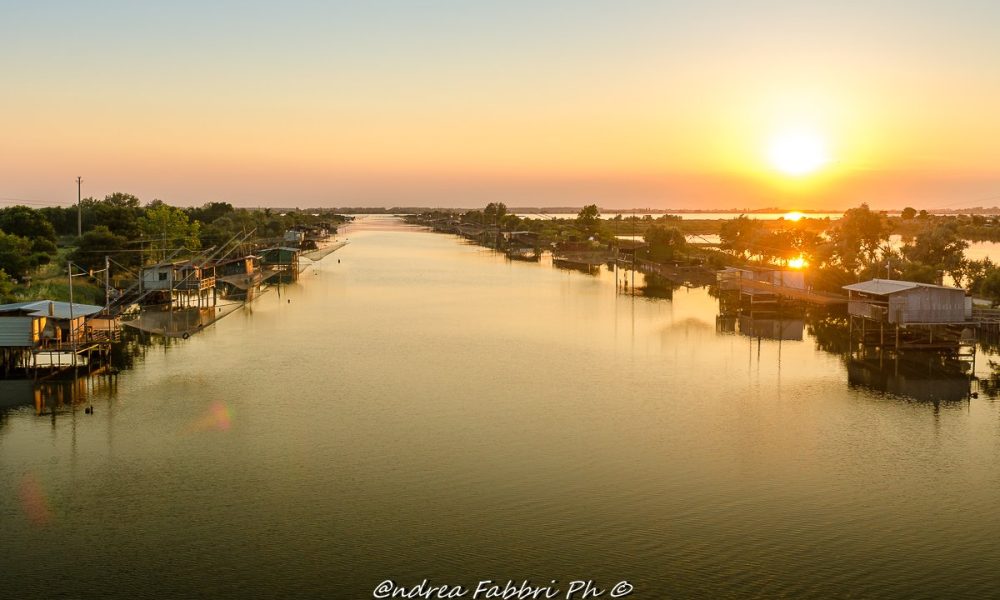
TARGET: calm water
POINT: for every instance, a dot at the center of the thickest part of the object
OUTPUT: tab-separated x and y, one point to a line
425	409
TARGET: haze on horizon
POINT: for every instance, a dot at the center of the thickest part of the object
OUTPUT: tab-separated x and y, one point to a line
452	103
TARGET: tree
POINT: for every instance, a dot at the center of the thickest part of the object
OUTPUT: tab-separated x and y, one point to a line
27	223
664	242
98	243
62	219
741	236
588	218
990	286
6	287
972	273
168	227
211	211
119	212
858	237
939	248
909	213
15	255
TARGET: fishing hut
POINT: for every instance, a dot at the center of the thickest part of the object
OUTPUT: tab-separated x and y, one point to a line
51	335
522	245
183	284
768	285
888	313
241	275
281	262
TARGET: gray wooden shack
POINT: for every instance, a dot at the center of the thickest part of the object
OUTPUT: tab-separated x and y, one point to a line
904	302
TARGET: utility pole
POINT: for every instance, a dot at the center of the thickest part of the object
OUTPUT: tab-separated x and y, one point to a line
72	333
79	208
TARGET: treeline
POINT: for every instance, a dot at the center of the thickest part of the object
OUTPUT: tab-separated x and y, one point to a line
664	235
130	232
860	246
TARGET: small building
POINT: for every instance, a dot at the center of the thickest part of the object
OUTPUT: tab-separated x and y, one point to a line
239	276
184	283
905	302
245	266
735	278
44	324
282	261
294	236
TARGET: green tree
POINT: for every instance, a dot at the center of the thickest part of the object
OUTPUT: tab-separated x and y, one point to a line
15	255
990	286
6	288
168	228
588	218
909	213
939	248
98	243
27	223
859	237
973	272
664	242
208	213
119	212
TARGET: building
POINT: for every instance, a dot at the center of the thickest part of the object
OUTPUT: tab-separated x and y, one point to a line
239	275
180	283
45	324
48	334
908	302
752	279
282	261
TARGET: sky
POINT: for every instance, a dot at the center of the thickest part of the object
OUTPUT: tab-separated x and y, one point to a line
626	103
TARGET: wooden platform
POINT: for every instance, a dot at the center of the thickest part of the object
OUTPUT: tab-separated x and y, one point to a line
814	297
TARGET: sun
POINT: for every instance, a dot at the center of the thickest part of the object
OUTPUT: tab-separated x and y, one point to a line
798	262
798	152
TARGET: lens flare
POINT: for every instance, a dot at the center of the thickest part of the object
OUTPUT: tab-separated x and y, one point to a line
33	501
217	418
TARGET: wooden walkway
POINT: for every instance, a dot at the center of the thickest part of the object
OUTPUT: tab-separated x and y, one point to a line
814	297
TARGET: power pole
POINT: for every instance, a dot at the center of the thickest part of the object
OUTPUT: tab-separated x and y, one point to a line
79	209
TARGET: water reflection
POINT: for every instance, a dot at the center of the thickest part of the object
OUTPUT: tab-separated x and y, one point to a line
55	395
921	376
924	377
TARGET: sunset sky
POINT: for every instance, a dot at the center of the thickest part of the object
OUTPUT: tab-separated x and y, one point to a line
533	103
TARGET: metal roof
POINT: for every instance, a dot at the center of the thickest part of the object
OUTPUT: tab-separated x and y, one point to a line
886	287
59	310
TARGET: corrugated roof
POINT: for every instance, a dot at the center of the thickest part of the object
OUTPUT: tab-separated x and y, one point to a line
885	287
60	310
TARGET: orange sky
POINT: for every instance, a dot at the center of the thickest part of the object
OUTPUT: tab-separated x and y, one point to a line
652	104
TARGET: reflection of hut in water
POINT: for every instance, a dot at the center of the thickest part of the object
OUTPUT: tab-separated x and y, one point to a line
46	396
921	376
177	322
771	328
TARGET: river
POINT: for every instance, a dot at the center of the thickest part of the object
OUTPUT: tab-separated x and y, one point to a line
420	408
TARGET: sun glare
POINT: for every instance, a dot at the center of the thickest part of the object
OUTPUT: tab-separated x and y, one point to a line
794	216
798	153
797	263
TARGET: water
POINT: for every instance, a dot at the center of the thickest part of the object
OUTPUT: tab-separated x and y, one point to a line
426	409
611	214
